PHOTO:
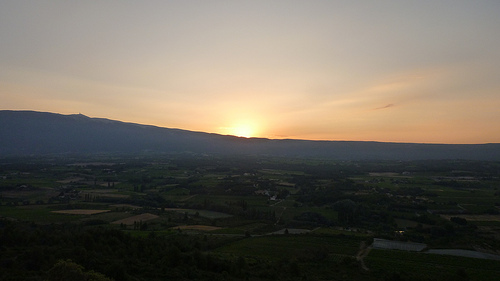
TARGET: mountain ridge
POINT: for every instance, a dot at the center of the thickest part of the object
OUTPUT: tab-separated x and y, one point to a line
38	133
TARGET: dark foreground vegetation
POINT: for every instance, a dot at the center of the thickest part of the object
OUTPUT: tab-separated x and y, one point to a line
200	217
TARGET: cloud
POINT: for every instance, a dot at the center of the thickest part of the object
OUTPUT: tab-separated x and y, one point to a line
383	107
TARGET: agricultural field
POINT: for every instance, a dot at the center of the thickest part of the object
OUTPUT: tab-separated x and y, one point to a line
422	266
247	217
293	247
81	212
134	219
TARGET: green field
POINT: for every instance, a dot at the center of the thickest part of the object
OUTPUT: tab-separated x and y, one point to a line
428	266
273	247
38	214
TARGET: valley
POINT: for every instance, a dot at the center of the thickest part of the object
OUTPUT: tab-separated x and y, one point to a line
259	218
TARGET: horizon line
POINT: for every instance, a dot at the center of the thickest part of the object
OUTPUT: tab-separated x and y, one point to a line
242	137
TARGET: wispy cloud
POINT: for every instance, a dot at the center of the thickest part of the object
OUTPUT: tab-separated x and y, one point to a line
386	106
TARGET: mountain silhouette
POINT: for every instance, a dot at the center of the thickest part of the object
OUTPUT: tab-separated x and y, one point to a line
39	133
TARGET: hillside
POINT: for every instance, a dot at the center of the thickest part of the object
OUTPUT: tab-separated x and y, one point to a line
38	133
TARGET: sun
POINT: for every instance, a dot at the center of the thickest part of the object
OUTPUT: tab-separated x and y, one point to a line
243	130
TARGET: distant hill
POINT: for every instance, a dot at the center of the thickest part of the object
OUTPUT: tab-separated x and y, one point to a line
39	133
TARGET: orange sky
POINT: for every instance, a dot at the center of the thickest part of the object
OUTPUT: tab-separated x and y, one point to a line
398	71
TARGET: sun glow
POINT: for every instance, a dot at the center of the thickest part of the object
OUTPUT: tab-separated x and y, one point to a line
243	130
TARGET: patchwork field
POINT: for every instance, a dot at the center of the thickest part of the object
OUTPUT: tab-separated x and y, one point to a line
271	219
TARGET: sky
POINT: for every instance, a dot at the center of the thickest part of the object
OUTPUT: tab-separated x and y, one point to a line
425	71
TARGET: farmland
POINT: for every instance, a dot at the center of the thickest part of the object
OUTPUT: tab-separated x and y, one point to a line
81	212
257	218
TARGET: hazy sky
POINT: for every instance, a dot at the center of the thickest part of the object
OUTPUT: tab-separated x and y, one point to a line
402	71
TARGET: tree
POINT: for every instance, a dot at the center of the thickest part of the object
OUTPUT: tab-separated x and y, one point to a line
347	210
68	270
